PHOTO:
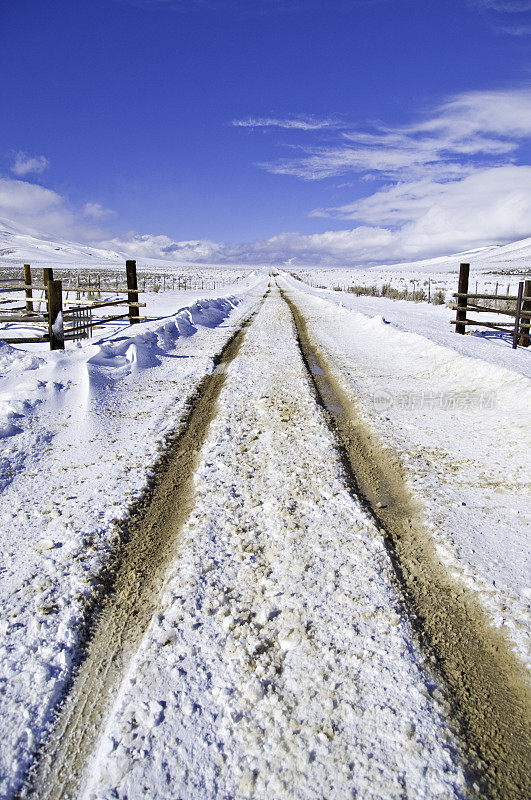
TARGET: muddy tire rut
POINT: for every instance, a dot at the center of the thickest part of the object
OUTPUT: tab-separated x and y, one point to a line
487	683
152	544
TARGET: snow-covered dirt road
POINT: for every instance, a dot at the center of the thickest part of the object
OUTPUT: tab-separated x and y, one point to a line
279	663
477	655
460	429
262	639
81	431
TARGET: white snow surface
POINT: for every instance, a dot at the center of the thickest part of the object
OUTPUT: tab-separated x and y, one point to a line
431	322
496	257
80	431
279	664
19	243
457	410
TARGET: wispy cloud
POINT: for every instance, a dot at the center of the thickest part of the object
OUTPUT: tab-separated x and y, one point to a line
451	181
508	16
37	209
28	165
507	6
472	128
96	211
289	123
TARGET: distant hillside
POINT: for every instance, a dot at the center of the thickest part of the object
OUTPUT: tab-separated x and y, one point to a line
18	246
514	258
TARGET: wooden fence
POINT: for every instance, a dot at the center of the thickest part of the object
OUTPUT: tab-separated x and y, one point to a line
520	313
74	319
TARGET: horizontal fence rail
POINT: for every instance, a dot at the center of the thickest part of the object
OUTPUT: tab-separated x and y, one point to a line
65	320
520	313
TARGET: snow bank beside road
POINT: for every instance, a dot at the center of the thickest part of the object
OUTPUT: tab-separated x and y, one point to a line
88	440
22	390
121	355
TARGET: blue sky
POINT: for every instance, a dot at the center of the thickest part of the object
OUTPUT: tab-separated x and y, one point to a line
347	131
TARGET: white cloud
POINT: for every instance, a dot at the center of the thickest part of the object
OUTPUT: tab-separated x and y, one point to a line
161	246
452	182
407	221
96	211
481	116
490	206
470	128
411	221
290	123
39	210
406	202
27	199
347	246
27	165
34	206
508	6
508	16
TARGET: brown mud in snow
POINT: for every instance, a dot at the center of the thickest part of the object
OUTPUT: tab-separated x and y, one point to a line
154	530
486	682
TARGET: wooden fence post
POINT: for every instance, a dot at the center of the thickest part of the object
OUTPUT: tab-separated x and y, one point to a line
464	272
132	295
55	315
47	275
526	321
27	281
516	329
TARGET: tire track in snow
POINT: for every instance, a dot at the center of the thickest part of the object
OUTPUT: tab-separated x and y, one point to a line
153	527
487	682
278	664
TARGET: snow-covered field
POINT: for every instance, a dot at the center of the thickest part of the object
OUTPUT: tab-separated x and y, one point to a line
20	245
493	270
280	662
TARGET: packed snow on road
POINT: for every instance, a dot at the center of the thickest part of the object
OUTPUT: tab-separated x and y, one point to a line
282	659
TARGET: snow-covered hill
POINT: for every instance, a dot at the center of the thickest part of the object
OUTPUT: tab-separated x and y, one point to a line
514	257
23	245
19	244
